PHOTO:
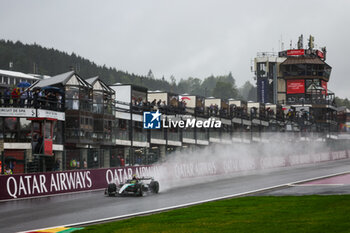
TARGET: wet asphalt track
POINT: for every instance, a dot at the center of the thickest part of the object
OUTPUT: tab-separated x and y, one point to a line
73	208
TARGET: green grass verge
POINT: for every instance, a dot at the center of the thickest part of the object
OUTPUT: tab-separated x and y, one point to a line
246	214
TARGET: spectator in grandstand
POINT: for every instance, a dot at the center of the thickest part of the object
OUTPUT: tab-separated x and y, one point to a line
75	101
7	96
122	162
15	96
216	109
51	97
57	165
36	98
42	98
29	98
154	103
8	171
23	98
159	103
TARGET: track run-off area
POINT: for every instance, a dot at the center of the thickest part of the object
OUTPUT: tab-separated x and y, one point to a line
90	207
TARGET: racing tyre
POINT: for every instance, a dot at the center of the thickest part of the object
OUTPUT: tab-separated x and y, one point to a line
154	185
112	188
140	192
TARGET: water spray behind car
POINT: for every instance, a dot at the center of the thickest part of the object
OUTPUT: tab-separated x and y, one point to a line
222	161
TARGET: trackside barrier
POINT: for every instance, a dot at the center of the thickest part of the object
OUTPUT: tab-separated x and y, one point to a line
51	183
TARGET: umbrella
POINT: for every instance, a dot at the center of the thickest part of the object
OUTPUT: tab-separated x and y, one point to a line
23	84
51	88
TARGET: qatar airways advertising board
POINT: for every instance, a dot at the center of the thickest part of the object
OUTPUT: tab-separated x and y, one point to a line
296	86
50	183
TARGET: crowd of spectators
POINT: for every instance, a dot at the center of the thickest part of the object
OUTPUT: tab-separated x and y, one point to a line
36	98
174	106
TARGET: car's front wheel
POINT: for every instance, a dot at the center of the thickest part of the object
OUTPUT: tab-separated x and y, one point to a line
154	186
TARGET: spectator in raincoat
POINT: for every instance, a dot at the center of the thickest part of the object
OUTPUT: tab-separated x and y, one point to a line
15	96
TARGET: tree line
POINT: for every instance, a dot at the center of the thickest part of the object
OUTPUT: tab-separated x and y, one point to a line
35	59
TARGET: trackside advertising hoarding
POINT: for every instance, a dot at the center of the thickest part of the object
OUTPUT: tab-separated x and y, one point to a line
53	183
49	183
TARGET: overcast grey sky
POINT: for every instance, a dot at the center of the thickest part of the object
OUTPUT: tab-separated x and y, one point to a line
183	38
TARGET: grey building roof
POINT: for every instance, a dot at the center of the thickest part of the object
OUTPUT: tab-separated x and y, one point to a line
16	74
92	81
58	79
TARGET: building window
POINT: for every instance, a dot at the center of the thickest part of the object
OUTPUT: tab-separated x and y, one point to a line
11	127
25	129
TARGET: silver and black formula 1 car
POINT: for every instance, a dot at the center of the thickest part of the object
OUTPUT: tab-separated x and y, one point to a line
136	187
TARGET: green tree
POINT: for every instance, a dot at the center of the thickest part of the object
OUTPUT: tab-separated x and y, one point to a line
247	91
150	74
224	90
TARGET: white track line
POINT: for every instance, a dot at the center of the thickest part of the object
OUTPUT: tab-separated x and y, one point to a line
187	204
314	185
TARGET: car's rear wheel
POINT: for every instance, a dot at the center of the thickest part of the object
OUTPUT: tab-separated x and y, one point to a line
111	190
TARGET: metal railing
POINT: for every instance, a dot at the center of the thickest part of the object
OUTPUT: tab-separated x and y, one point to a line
38	103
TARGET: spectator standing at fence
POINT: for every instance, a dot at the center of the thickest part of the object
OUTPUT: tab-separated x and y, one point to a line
211	109
118	162
122	162
76	101
59	101
42	98
159	103
23	98
7	96
216	109
57	165
154	103
36	98
29	98
14	96
140	103
52	100
8	171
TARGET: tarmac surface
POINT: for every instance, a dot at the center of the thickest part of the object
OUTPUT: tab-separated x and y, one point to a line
335	185
25	215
